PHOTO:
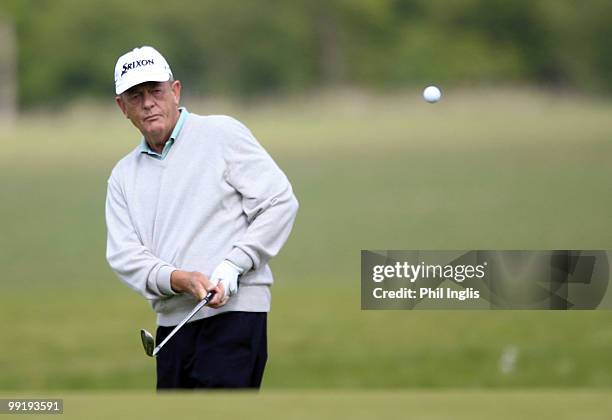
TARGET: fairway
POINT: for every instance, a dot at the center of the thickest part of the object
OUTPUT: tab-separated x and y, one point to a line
484	170
426	405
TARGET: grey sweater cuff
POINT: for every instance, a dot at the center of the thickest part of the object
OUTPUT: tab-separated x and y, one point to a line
241	259
163	280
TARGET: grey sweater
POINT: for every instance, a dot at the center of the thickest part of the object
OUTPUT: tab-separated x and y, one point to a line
217	195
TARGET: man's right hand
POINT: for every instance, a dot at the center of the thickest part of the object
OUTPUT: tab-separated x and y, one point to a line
197	285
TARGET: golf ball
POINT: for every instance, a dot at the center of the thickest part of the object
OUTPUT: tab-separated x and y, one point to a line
432	94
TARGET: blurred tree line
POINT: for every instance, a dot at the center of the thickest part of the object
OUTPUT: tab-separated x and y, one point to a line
68	48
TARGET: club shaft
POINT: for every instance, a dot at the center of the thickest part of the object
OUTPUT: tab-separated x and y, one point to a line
199	306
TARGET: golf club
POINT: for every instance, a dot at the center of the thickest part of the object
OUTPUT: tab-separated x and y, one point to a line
148	342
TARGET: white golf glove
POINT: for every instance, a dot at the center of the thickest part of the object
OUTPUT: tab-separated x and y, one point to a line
227	274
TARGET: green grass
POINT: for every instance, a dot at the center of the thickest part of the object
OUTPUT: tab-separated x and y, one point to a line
89	342
329	404
485	170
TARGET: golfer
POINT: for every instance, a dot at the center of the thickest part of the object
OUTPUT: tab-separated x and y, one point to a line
197	206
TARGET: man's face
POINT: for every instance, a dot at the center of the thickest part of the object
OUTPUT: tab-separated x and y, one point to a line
152	107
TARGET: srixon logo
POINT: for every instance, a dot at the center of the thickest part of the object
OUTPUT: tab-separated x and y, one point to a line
134	64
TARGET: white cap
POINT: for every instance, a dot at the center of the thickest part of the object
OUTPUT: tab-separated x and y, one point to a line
144	64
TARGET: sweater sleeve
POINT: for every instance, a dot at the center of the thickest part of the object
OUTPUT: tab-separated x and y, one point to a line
267	198
133	263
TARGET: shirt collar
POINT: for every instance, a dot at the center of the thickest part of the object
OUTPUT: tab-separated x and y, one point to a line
144	146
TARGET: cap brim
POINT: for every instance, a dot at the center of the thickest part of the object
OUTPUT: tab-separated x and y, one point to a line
139	78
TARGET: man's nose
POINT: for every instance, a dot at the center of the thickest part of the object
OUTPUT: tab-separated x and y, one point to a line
147	100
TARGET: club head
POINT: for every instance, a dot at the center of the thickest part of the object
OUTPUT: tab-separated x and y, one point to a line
148	342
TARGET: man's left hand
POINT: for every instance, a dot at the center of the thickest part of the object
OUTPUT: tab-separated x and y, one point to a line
225	276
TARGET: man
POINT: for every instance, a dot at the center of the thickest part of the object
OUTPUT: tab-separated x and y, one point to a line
198	206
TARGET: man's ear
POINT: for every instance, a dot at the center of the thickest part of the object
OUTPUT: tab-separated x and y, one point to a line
121	105
176	91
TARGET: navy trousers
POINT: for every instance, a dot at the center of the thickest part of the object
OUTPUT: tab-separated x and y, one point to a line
228	350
